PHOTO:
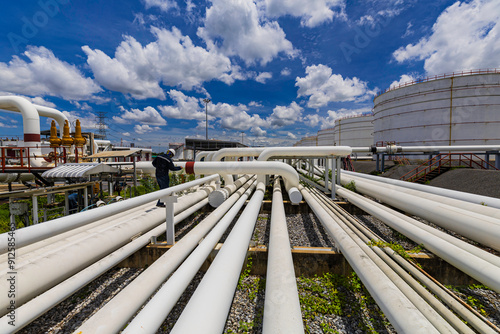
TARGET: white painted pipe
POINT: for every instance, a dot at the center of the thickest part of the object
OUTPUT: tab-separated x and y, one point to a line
304	151
472	265
399	277
36	307
402	314
114	315
282	313
463	196
480	228
35	278
38	232
477	208
462	148
57	115
156	310
211	302
201	155
260	168
237	152
478	252
218	196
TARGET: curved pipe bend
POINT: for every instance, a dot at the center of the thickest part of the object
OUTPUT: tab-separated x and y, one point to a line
261	168
304	151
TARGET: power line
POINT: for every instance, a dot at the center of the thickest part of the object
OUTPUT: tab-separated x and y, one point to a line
101	123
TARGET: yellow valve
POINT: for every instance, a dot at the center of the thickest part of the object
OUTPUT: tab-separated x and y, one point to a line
67	140
79	140
54	140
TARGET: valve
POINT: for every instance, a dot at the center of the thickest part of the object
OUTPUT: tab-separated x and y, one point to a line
79	140
54	140
67	140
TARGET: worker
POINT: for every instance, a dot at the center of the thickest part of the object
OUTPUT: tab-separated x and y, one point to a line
164	164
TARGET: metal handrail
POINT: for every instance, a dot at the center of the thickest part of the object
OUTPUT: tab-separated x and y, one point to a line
445	160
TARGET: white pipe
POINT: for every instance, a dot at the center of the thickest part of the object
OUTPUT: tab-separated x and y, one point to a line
402	314
31	124
211	302
282	313
52	113
31	310
463	148
201	155
472	265
463	196
399	277
477	208
304	151
237	152
156	310
114	315
480	228
35	278
38	232
261	168
218	196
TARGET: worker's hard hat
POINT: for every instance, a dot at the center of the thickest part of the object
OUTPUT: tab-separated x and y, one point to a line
171	150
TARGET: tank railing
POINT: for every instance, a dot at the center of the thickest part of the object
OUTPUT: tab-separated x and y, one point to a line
443	160
440	76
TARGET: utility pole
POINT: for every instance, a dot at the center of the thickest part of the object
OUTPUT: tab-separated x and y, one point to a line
207	101
101	123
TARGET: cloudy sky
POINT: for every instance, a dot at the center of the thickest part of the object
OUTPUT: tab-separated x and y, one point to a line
274	70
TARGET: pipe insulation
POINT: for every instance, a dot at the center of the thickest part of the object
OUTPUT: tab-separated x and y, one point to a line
474	266
400	311
484	201
282	313
114	315
304	151
35	278
478	227
37	306
157	309
38	232
208	308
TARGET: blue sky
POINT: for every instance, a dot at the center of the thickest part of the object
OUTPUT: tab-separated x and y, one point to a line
275	70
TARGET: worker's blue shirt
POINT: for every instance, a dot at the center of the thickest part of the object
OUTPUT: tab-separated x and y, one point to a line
164	164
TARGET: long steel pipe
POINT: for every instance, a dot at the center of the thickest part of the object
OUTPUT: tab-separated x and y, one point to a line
463	196
304	151
35	278
36	307
476	267
236	152
466	205
260	168
156	310
211	302
282	313
402	314
475	226
114	315
38	232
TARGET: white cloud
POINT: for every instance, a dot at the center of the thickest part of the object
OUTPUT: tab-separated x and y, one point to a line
142	129
186	107
405	78
286	72
36	100
234	27
45	74
312	13
87	120
235	117
258	132
163	5
255	104
329	120
262	77
172	59
465	36
127	134
323	87
82	106
291	135
283	116
147	116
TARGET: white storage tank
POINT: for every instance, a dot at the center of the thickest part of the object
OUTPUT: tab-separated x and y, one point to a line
326	137
459	109
355	131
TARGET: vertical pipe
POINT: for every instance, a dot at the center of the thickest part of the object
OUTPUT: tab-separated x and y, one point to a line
211	302
282	312
35	209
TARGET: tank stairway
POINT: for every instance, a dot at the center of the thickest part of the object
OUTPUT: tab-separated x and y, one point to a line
442	163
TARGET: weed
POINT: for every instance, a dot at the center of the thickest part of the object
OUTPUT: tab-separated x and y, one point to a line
351	186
